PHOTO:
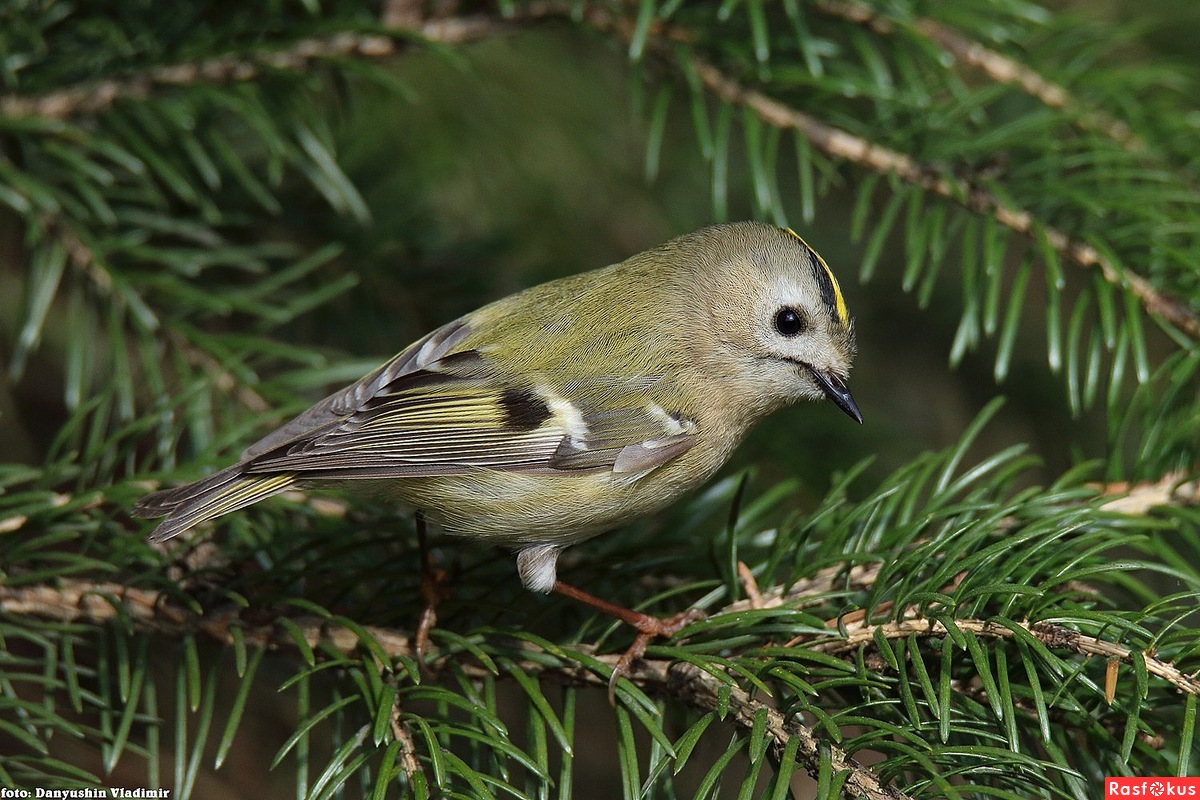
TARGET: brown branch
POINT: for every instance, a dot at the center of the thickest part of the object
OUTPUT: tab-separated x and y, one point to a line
300	56
75	601
997	66
861	633
1138	499
700	690
221	377
407	756
797	594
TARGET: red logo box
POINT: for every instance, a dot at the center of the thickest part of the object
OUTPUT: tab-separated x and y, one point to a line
1151	787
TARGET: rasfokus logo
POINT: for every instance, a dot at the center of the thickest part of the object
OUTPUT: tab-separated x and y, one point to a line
1151	787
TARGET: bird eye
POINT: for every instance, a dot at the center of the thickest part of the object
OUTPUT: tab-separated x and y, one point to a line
789	322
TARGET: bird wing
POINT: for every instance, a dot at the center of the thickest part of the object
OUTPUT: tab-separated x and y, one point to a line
418	356
434	410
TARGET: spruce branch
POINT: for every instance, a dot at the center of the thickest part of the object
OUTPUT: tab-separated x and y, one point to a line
1175	489
995	65
79	254
862	634
841	144
831	140
95	98
709	58
702	691
87	262
80	601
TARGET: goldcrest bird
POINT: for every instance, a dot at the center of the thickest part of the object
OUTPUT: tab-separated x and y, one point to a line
567	409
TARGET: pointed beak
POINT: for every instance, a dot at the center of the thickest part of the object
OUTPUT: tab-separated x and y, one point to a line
836	391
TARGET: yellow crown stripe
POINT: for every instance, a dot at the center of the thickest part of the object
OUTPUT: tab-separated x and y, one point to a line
843	314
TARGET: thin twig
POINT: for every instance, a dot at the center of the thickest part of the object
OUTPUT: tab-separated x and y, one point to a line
1138	499
408	748
84	260
996	66
857	634
702	691
750	585
856	578
224	380
94	98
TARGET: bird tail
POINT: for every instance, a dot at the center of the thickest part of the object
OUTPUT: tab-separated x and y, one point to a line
220	493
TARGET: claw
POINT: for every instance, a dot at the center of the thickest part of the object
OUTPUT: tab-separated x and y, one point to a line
648	628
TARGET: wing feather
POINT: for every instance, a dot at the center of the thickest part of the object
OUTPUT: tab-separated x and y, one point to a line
434	410
434	349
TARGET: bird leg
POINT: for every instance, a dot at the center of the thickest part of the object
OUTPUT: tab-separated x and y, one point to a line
648	627
434	589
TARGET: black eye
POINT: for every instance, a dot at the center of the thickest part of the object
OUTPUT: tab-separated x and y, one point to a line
789	322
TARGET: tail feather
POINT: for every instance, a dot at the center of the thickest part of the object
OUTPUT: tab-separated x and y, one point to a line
220	493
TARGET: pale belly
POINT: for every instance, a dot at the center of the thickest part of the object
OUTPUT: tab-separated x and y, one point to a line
561	508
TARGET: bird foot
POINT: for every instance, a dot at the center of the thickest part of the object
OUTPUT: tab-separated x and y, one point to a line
435	587
648	628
